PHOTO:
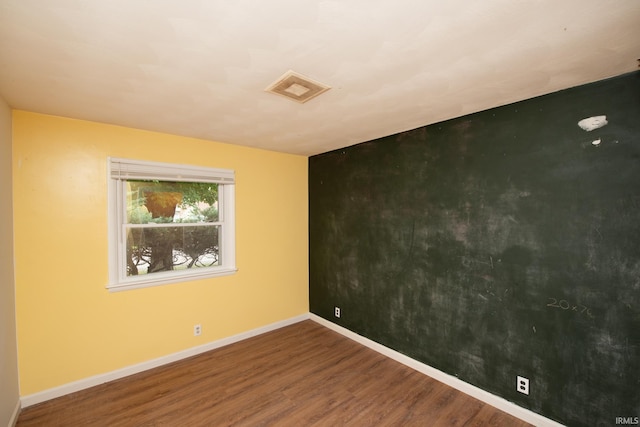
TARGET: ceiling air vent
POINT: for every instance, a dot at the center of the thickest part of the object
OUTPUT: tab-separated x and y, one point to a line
297	87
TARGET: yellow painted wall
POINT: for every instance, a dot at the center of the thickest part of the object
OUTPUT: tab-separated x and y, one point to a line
69	326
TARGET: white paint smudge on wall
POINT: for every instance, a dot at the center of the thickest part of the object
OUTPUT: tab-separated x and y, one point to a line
591	123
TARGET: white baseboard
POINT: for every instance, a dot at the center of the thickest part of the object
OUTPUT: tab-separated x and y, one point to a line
16	412
72	387
471	390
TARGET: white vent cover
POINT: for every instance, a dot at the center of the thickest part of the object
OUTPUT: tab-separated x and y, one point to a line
297	87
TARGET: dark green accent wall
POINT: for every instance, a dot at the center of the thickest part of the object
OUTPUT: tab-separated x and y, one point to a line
497	244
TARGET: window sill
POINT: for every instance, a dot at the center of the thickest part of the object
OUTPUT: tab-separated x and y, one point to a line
167	279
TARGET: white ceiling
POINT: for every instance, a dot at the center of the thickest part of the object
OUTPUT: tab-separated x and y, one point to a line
200	67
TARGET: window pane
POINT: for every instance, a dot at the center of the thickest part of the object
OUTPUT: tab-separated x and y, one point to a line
166	201
152	250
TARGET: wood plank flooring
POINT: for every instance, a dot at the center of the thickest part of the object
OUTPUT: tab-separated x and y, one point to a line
300	375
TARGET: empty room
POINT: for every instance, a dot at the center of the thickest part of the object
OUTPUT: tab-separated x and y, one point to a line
319	213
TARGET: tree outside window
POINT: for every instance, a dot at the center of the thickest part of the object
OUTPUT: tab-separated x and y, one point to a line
171	226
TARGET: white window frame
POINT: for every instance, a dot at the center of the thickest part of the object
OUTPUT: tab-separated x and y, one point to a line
119	172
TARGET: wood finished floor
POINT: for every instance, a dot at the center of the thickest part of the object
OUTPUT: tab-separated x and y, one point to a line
300	375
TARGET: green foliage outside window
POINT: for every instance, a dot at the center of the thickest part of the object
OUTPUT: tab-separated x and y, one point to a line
194	240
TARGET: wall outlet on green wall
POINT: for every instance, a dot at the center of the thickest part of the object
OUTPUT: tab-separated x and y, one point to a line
523	385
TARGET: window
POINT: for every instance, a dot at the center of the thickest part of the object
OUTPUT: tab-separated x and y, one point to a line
169	223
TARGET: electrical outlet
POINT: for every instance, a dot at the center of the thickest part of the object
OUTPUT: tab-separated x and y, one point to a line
337	312
522	385
197	330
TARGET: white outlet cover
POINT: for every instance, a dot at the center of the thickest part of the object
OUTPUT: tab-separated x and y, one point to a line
522	385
